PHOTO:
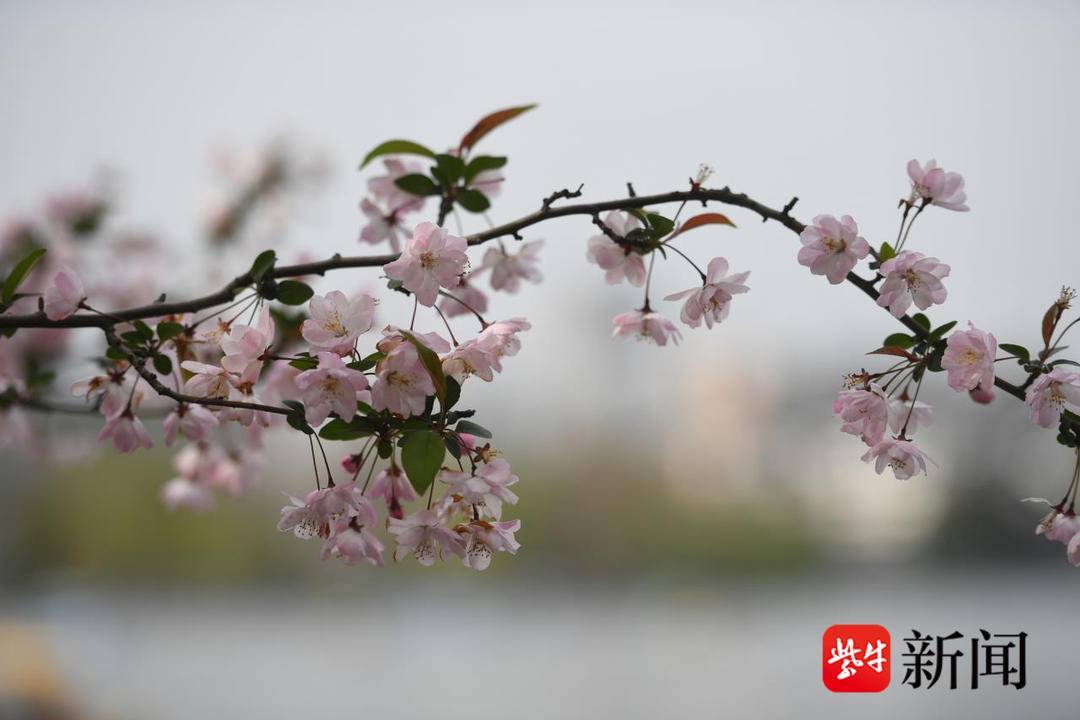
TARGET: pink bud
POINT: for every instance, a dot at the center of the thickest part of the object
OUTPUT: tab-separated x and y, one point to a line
982	395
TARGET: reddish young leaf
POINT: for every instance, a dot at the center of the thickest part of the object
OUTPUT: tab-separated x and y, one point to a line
893	350
490	122
1049	322
704	219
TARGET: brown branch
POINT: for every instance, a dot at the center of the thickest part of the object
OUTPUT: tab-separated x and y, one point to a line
161	389
547	212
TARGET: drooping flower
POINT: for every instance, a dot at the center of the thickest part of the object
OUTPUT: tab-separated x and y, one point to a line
392	485
915	414
509	269
64	294
336	322
353	542
192	421
712	301
126	432
432	259
643	325
113	388
982	395
313	516
901	456
425	536
476	356
937	187
864	412
189	489
969	359
1049	395
912	277
832	247
402	382
483	539
487	488
330	387
617	261
502	337
1059	526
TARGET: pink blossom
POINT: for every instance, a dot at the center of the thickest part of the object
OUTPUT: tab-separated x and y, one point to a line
901	412
509	269
64	294
486	488
832	247
969	359
711	302
353	543
208	381
502	337
483	539
393	338
901	456
15	431
617	261
911	276
982	395
402	382
245	346
425	536
314	515
331	387
183	493
192	421
477	356
864	412
113	388
1059	526
934	185
394	487
467	298
383	188
1049	395
126	431
381	225
432	259
646	326
336	322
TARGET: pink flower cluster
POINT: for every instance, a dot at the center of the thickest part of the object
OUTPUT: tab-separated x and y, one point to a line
867	412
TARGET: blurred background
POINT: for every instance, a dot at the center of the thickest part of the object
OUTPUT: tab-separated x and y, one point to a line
692	518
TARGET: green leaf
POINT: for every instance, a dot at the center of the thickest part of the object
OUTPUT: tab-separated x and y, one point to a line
114	353
466	426
297	422
1064	362
304	362
417	184
338	429
397	147
293	292
922	320
422	453
451	168
367	362
19	273
887	252
264	262
941	330
659	226
169	330
162	364
1018	351
482	163
473	200
899	340
453	392
431	363
143	330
